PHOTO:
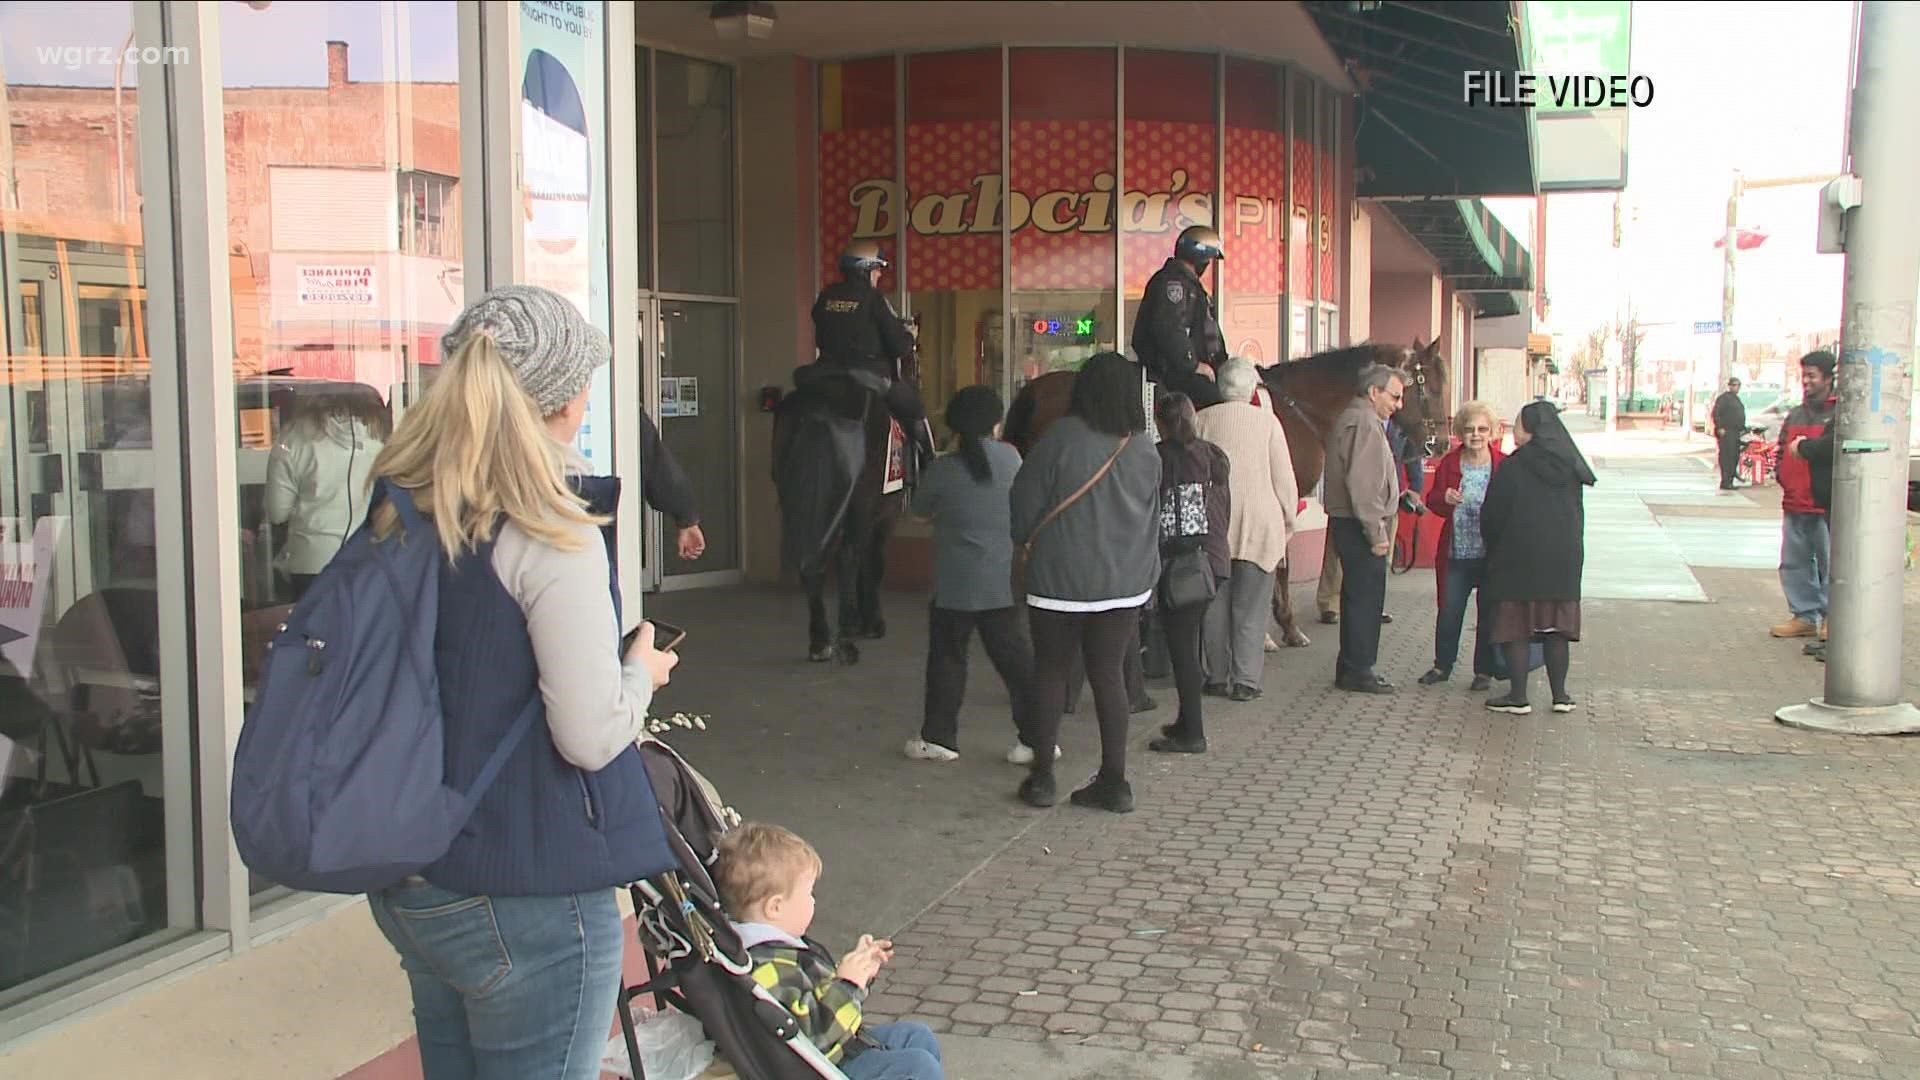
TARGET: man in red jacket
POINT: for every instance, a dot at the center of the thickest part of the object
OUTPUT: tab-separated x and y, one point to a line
1804	540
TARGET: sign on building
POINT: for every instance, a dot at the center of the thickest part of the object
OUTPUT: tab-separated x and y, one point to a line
337	285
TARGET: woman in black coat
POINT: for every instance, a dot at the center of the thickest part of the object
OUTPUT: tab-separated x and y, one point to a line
1534	523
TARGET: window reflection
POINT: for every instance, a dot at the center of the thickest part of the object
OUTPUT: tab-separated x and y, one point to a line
84	864
344	210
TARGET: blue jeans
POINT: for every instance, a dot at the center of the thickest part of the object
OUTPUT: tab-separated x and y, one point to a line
1804	548
1464	576
506	987
908	1051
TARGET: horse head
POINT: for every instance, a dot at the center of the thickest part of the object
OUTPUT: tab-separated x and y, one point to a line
1423	411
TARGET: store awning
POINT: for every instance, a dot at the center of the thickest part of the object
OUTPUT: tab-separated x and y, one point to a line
1414	134
1478	257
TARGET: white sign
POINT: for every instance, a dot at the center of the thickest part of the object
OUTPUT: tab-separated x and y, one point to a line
26	571
679	396
337	285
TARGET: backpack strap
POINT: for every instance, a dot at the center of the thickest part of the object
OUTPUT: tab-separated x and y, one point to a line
402	501
498	759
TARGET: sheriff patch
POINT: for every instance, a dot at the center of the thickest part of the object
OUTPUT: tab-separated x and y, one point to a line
1176	292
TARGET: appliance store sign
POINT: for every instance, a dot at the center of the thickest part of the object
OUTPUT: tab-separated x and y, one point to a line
337	285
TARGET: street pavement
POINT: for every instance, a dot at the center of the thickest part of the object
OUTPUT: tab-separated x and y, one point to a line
1665	883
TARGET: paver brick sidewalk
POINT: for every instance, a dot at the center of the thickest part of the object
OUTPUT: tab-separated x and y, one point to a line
1665	883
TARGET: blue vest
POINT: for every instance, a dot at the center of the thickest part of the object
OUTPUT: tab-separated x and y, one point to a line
545	827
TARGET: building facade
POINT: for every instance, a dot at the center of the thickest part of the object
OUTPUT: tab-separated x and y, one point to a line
239	222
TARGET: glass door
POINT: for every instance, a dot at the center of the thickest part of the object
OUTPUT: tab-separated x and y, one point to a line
651	365
697	388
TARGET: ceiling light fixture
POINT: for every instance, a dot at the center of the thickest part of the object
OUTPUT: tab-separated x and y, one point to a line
737	19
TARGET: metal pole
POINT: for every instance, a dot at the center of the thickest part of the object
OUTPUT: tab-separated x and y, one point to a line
1728	345
1882	240
1686	401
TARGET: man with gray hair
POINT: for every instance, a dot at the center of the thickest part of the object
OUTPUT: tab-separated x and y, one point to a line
1361	501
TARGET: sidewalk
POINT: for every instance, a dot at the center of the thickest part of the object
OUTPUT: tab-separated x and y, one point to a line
1666	883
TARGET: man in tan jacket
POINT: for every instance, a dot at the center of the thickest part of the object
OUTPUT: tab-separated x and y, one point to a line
1360	498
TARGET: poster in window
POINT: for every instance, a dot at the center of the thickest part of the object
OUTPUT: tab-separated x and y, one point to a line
563	130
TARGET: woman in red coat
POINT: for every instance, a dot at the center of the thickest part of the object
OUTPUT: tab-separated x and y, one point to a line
1460	563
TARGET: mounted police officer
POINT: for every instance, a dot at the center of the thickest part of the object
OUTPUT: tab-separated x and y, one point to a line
1176	334
855	329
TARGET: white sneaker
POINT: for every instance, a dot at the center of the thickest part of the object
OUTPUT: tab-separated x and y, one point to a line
922	750
1022	754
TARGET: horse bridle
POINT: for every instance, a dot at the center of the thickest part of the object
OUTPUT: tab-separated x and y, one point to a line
1430	426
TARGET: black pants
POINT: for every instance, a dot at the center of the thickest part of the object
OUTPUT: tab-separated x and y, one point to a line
1101	638
1184	626
1363	596
903	401
949	639
1729	458
1134	673
1200	389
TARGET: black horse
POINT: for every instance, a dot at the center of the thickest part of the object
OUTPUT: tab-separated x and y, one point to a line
833	450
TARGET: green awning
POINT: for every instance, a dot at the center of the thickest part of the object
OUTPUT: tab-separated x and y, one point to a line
1478	256
1414	132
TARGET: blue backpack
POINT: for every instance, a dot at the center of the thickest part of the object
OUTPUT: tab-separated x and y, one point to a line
339	779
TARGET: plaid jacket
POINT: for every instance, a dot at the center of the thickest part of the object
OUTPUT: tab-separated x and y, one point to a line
804	981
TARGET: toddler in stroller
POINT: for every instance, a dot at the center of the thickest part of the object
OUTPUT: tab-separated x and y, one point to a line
774	1002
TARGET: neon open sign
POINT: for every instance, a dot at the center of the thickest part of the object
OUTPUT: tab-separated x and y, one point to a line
1058	328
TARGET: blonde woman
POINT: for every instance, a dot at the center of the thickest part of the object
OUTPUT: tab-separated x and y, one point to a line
1459	489
512	942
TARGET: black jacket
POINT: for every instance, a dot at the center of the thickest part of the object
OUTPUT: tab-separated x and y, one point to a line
855	327
1818	454
1534	523
1175	329
663	484
1729	414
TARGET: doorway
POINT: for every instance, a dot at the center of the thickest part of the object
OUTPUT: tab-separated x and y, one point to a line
692	378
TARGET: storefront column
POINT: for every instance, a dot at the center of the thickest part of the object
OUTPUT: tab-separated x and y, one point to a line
629	375
201	423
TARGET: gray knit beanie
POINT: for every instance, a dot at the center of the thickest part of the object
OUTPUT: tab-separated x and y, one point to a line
551	349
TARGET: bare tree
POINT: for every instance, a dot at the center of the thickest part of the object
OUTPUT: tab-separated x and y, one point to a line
1630	334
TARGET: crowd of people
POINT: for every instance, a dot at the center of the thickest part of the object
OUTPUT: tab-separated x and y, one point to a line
513	942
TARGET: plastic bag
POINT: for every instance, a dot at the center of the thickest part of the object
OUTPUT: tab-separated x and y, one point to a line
673	1046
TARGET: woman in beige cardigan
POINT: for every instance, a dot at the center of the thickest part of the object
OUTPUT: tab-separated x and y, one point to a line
1266	501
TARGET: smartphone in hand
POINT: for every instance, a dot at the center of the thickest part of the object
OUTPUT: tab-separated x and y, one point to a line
666	636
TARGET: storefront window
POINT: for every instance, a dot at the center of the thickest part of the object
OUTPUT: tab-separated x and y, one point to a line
1302	262
1255	212
694	106
955	203
340	290
1326	225
1065	265
694	111
1172	163
84	863
859	184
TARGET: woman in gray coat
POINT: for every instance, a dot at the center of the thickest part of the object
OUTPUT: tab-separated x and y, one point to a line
1091	568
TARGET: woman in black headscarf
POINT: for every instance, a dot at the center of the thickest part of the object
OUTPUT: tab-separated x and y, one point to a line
1534	524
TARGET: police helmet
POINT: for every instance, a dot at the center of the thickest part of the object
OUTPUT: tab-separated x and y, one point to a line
862	256
1200	244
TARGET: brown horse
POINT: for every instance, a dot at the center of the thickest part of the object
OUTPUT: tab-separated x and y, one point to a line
1307	395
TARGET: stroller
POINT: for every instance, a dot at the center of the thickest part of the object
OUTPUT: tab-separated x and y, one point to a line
695	962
